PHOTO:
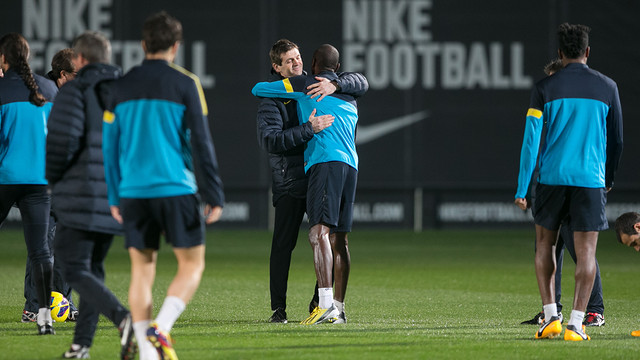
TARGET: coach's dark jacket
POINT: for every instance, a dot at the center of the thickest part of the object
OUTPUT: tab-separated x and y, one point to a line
74	153
282	136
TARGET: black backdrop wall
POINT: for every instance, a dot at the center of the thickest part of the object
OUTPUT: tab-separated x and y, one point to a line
440	129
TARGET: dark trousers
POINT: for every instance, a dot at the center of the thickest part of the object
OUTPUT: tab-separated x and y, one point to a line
59	285
81	254
289	214
35	205
565	239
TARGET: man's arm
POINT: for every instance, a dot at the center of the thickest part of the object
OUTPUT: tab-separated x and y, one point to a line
291	88
205	163
354	84
614	140
272	136
529	152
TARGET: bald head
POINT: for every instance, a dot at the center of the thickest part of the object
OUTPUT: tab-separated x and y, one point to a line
325	58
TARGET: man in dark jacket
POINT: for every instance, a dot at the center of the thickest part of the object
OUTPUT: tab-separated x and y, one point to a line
282	136
75	173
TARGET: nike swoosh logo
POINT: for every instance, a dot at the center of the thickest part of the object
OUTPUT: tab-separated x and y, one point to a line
367	133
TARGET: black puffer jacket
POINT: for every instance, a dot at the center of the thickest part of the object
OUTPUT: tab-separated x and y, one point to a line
75	168
282	136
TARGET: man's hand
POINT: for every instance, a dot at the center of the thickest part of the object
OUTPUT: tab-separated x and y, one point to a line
115	212
321	122
212	213
522	203
322	88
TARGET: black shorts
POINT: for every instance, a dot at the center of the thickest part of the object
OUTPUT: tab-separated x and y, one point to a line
584	206
177	217
331	194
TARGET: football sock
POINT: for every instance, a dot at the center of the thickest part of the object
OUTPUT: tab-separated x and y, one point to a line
44	316
549	311
147	351
171	309
576	318
326	297
339	305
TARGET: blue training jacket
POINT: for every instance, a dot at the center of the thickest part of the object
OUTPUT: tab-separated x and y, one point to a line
23	130
581	111
335	143
156	139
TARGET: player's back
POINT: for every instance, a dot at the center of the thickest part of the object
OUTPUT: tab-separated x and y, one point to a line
149	105
576	102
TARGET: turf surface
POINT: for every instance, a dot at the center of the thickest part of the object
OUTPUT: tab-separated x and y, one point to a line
435	295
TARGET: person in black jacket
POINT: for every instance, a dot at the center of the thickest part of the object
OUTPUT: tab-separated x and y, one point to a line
74	168
282	136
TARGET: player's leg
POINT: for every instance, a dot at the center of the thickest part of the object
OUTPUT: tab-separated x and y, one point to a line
595	306
587	219
585	243
289	212
560	246
34	207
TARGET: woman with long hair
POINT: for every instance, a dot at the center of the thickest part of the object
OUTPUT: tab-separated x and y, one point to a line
25	103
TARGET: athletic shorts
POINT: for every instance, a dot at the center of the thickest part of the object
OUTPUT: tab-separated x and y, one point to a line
584	206
331	194
177	218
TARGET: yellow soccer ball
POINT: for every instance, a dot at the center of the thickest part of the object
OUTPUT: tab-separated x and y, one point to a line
59	307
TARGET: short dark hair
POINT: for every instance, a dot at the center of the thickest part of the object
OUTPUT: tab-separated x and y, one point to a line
326	57
160	31
280	47
62	62
573	40
93	46
553	67
625	224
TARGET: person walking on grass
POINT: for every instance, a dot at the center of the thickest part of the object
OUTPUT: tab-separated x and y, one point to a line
581	113
155	182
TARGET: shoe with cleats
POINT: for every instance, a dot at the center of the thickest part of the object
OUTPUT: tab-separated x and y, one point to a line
574	334
76	352
28	316
128	346
593	319
279	316
635	333
319	316
342	319
162	342
550	329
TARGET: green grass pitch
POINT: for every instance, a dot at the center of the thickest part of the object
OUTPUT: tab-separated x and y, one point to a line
433	295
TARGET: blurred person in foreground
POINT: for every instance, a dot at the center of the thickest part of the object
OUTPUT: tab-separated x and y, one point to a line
156	180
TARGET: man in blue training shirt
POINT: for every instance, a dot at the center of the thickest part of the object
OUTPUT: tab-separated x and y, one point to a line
331	162
580	109
156	179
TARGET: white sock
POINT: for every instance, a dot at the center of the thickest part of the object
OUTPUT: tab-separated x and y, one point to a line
339	305
326	297
576	319
44	316
171	309
145	349
549	311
